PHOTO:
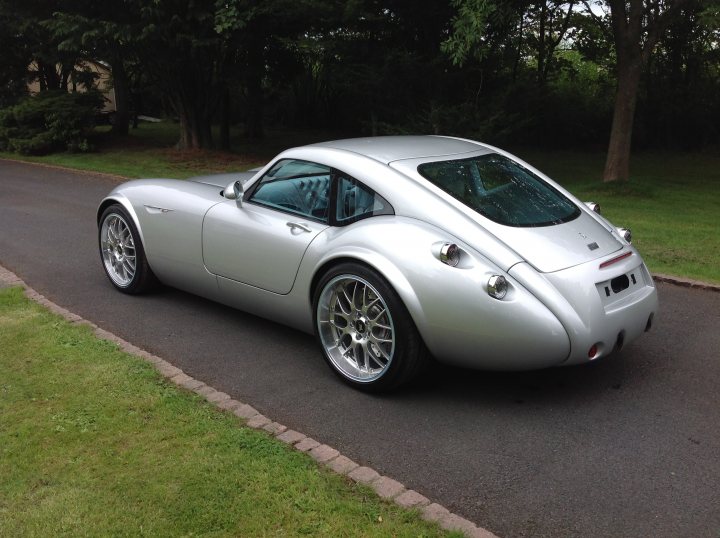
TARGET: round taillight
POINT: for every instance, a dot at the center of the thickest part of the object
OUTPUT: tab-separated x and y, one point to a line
626	234
593	351
450	254
594	206
497	286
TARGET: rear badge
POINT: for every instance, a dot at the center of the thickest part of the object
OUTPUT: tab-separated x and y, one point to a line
593	246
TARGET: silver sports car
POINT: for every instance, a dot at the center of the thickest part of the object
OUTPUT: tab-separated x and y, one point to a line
392	250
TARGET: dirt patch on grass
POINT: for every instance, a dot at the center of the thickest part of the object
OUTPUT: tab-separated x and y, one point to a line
210	160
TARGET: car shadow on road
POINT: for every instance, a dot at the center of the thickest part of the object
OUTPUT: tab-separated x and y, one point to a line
547	387
236	339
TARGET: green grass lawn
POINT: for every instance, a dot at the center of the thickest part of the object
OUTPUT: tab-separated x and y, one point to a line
148	152
672	203
93	442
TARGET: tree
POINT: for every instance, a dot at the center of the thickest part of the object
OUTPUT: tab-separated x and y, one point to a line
186	59
174	42
261	34
551	20
95	33
678	103
480	25
32	44
13	61
637	25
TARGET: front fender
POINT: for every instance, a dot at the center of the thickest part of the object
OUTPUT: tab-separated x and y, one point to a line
117	197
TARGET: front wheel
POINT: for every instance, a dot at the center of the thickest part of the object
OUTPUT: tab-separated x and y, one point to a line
122	252
367	335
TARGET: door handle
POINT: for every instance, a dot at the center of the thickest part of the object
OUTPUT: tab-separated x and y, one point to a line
299	226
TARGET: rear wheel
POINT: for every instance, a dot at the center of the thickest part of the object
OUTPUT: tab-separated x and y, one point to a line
122	252
367	335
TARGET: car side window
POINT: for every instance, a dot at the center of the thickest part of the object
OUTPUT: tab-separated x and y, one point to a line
356	201
295	186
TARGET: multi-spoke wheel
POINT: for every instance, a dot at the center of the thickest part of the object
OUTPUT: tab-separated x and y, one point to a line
122	252
365	331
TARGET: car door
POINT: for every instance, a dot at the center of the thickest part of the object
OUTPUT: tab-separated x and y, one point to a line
262	240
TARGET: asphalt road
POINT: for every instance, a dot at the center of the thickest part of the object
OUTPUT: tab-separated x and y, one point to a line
628	446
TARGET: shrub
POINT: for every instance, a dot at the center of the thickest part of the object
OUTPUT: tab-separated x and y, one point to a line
50	121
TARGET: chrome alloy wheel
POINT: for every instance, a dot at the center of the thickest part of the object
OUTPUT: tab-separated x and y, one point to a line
356	328
118	250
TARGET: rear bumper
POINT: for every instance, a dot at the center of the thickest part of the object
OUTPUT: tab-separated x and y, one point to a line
601	309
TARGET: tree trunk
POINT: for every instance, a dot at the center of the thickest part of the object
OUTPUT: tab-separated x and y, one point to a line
225	121
65	78
122	98
189	136
195	124
541	45
204	127
632	56
186	129
518	55
256	61
137	108
48	76
617	165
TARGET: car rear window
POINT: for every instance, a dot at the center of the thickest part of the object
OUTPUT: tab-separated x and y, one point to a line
502	190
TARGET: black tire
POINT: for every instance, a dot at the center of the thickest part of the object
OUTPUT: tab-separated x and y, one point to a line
409	356
143	279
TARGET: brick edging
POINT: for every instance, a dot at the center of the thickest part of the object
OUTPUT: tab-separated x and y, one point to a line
686	282
384	486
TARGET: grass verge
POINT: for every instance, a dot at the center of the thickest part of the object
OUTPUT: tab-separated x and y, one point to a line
95	442
149	151
672	203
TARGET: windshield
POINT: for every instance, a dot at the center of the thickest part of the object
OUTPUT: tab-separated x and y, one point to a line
502	190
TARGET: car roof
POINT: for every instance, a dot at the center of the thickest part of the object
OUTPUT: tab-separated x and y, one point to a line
387	149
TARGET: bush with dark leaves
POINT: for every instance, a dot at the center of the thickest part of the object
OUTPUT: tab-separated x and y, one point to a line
50	121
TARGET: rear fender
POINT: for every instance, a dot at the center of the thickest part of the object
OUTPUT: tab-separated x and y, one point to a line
396	247
387	268
450	306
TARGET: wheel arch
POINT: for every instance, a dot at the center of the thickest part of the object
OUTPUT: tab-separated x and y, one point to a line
383	266
118	199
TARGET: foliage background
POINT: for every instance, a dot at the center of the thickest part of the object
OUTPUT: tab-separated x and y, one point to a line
538	73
